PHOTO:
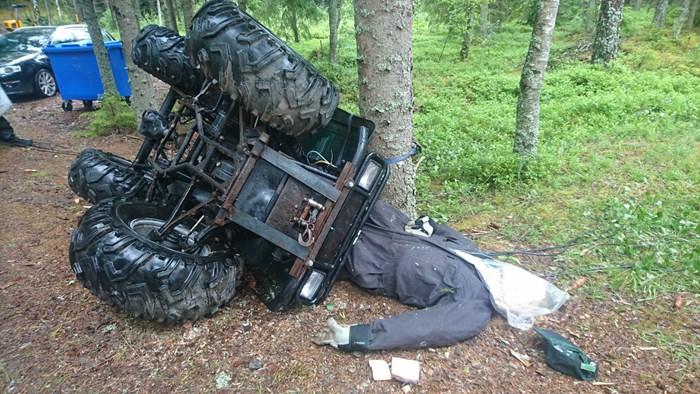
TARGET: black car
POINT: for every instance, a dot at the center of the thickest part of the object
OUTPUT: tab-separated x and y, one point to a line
24	68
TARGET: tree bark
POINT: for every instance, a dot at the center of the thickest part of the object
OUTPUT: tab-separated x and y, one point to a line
383	30
188	11
638	5
334	8
607	33
143	95
588	14
484	20
171	14
295	26
467	42
98	45
527	118
682	18
691	16
660	13
160	13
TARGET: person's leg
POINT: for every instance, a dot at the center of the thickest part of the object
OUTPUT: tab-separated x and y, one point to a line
8	137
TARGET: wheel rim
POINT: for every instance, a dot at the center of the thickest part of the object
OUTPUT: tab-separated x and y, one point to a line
47	83
144	227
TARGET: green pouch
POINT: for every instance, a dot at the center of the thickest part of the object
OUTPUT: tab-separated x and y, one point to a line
567	358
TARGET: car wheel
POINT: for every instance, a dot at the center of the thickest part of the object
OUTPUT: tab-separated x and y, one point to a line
45	83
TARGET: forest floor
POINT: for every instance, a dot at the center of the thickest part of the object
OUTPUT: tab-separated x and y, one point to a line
57	337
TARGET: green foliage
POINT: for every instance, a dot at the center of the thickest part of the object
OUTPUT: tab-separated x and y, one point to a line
657	243
114	116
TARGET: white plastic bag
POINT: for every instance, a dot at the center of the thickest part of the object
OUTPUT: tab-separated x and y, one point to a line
517	295
5	102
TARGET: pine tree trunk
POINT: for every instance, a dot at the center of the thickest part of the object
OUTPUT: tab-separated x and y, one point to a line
527	118
607	33
98	45
171	14
188	11
383	30
660	13
691	16
682	18
333	24
143	95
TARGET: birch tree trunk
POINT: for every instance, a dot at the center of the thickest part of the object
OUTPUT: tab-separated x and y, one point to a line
660	13
89	16
160	13
682	18
527	118
383	29
143	95
58	10
484	20
607	33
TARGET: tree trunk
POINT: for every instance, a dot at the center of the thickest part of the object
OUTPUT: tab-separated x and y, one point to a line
527	118
60	14
143	95
243	4
295	26
383	30
607	33
638	5
160	13
588	14
660	13
484	20
467	42
98	45
682	18
188	11
171	14
334	8
691	16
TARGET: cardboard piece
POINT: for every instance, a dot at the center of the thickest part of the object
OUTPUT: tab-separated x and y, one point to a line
380	370
403	370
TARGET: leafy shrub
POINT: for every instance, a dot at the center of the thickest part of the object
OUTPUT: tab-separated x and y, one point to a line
113	116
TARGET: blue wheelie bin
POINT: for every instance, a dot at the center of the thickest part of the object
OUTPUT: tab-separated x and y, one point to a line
77	75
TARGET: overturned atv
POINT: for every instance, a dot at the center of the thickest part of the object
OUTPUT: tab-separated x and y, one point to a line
247	167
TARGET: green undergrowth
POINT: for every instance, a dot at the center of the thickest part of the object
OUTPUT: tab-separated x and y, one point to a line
618	163
114	115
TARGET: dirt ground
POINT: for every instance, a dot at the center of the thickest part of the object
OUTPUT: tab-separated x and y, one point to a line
56	337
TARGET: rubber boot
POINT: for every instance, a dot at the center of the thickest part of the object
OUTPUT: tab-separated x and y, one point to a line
8	137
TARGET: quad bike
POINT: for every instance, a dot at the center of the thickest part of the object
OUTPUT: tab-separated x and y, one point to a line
248	169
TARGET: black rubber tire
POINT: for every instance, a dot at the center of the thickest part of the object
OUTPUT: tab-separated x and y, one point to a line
96	175
144	278
256	67
161	52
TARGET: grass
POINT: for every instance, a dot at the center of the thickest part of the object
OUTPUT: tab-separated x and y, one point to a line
618	156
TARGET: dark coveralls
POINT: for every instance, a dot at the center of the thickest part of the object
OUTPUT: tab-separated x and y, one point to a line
416	271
